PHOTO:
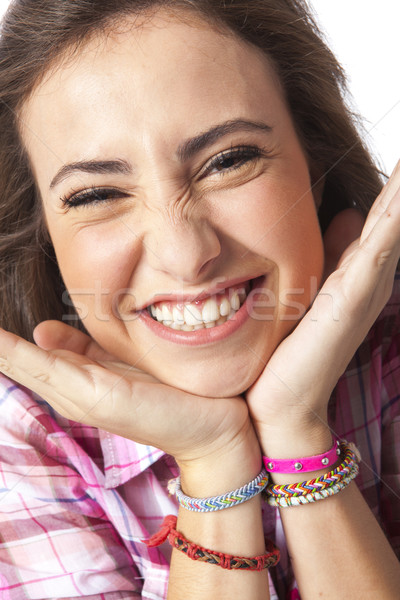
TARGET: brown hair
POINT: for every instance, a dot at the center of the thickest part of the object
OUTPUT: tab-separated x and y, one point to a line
36	32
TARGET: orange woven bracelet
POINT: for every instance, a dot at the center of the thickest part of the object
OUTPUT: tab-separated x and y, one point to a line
195	552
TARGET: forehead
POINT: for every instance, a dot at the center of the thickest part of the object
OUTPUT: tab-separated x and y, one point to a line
160	75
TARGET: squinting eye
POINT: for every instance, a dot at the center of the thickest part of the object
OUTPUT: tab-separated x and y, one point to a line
92	196
232	159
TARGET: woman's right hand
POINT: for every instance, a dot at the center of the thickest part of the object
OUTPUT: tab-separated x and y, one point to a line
83	383
212	440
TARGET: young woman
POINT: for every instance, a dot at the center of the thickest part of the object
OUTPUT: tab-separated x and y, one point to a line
166	170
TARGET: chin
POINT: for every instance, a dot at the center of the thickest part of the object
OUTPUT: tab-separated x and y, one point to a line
221	383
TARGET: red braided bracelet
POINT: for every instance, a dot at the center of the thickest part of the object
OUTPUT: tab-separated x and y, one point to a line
195	552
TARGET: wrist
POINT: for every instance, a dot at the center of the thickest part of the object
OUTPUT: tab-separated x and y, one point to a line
232	465
289	440
295	445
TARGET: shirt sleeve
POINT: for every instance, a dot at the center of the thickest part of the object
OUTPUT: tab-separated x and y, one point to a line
55	540
366	410
390	465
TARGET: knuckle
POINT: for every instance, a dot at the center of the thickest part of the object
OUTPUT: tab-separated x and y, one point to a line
383	258
41	375
5	366
42	372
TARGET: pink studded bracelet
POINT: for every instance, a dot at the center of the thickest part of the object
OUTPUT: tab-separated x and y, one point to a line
305	465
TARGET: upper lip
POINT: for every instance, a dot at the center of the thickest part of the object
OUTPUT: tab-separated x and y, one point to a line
181	298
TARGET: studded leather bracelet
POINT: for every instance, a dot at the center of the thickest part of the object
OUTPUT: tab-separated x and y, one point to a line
304	465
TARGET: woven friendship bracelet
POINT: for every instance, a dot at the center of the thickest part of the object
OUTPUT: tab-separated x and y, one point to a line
242	494
287	501
226	561
320	483
319	488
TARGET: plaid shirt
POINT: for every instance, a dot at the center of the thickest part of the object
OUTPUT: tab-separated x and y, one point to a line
76	502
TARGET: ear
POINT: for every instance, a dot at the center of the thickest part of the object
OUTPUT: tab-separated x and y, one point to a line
342	231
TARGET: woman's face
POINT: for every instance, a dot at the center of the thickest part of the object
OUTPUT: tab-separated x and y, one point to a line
178	199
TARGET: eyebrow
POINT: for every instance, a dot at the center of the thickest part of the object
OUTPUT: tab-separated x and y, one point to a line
114	167
184	152
207	138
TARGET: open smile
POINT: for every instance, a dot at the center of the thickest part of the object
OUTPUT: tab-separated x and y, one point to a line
201	314
205	320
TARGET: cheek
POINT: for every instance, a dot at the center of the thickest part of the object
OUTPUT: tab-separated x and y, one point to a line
301	261
275	220
280	223
96	265
296	237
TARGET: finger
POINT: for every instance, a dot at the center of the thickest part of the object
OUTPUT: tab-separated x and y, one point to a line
53	335
383	201
77	388
358	291
380	247
56	377
150	413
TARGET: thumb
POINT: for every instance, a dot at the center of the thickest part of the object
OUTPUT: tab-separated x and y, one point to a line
55	335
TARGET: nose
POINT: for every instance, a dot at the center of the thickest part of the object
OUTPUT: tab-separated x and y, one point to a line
185	250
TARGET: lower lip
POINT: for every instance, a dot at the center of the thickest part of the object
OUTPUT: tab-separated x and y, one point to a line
204	336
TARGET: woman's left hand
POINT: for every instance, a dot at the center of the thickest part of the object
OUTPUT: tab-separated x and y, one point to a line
291	395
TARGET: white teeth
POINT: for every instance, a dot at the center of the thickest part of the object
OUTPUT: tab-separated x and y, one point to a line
224	307
235	302
192	314
231	314
177	316
210	311
242	295
191	318
166	314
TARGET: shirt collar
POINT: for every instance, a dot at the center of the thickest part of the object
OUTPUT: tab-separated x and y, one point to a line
125	459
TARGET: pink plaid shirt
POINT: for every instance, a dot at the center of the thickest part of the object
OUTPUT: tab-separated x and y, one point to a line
76	502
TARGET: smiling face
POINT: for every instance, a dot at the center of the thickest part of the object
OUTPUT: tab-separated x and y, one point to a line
178	200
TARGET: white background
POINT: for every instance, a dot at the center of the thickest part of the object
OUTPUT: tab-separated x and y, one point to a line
364	34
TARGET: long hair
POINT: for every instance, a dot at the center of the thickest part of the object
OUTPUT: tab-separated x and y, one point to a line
35	33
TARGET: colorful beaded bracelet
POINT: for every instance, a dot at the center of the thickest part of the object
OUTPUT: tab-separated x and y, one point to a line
195	552
213	503
319	488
